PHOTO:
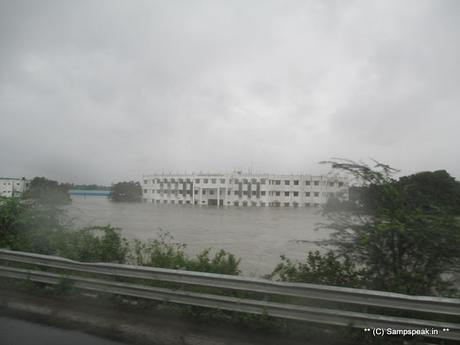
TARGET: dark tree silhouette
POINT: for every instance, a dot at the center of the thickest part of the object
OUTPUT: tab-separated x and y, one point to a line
126	191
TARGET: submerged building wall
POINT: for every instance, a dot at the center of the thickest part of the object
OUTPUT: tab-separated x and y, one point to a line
237	189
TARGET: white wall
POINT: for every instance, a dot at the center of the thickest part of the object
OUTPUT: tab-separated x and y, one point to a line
256	189
13	186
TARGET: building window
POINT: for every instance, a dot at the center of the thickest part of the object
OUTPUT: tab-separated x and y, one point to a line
307	183
211	192
145	190
222	180
196	191
145	181
204	192
340	184
286	182
262	204
253	180
307	193
262	181
262	193
236	192
286	193
296	182
213	180
286	204
277	193
197	180
316	183
245	181
316	194
296	193
253	203
253	192
245	192
278	182
236	203
331	184
205	180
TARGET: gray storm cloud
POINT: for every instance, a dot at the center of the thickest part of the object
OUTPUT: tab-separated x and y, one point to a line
96	92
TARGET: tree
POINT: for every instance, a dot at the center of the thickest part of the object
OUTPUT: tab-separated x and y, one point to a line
404	233
29	226
48	192
432	190
89	187
126	191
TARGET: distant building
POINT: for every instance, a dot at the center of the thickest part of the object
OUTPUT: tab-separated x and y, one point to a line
239	189
13	187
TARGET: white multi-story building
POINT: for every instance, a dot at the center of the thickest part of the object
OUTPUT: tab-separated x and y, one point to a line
13	187
239	189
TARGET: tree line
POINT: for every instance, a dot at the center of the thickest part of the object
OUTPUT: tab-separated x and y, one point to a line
50	192
399	235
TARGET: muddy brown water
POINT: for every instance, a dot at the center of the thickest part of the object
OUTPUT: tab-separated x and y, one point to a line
257	235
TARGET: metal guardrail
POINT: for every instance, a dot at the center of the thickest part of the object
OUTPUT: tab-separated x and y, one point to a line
366	298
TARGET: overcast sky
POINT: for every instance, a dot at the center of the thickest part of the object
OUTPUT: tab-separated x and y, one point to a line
103	91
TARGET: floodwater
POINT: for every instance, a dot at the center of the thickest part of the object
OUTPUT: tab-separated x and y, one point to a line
257	235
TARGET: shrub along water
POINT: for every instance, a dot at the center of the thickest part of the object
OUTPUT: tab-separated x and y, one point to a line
389	235
29	226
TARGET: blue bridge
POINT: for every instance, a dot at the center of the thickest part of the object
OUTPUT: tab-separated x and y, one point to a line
89	192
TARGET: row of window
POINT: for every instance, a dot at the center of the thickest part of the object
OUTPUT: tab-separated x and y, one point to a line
246	193
241	203
244	181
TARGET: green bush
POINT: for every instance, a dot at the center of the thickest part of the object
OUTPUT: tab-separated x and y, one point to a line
93	244
319	268
165	252
28	226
